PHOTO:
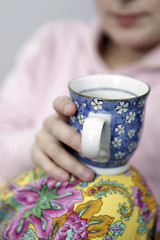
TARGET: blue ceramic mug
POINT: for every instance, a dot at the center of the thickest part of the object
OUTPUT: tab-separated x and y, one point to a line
110	110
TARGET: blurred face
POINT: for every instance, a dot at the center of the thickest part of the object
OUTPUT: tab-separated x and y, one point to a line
131	23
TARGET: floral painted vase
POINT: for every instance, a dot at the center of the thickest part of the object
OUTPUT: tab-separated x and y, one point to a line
35	206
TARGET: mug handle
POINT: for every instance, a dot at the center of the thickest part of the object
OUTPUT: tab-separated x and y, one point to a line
96	136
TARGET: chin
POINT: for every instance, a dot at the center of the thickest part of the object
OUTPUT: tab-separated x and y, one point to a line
132	40
130	43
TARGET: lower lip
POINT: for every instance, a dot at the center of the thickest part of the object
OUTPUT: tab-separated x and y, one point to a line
127	20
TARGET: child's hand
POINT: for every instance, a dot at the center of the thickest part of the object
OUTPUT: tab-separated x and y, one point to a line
49	152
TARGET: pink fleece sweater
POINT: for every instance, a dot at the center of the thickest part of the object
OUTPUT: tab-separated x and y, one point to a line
57	53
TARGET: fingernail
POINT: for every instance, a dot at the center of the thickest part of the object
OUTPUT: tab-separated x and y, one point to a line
86	175
80	148
66	109
64	177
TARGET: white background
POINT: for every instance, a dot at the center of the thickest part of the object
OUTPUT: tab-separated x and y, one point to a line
20	18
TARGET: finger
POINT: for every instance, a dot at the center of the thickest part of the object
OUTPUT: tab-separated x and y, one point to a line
48	166
65	106
59	129
65	134
68	162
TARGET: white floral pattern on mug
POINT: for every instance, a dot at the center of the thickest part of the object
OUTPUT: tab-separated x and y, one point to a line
97	105
141	103
81	119
122	108
120	129
132	146
119	155
117	142
131	133
130	117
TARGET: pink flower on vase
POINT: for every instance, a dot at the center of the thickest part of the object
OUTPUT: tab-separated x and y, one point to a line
158	219
137	197
143	206
74	228
42	201
147	215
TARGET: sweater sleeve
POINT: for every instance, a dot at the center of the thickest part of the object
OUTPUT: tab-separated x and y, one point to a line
20	95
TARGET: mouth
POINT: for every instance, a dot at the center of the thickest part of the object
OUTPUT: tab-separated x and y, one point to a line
128	19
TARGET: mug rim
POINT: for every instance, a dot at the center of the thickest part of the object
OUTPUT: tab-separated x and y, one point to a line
110	75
